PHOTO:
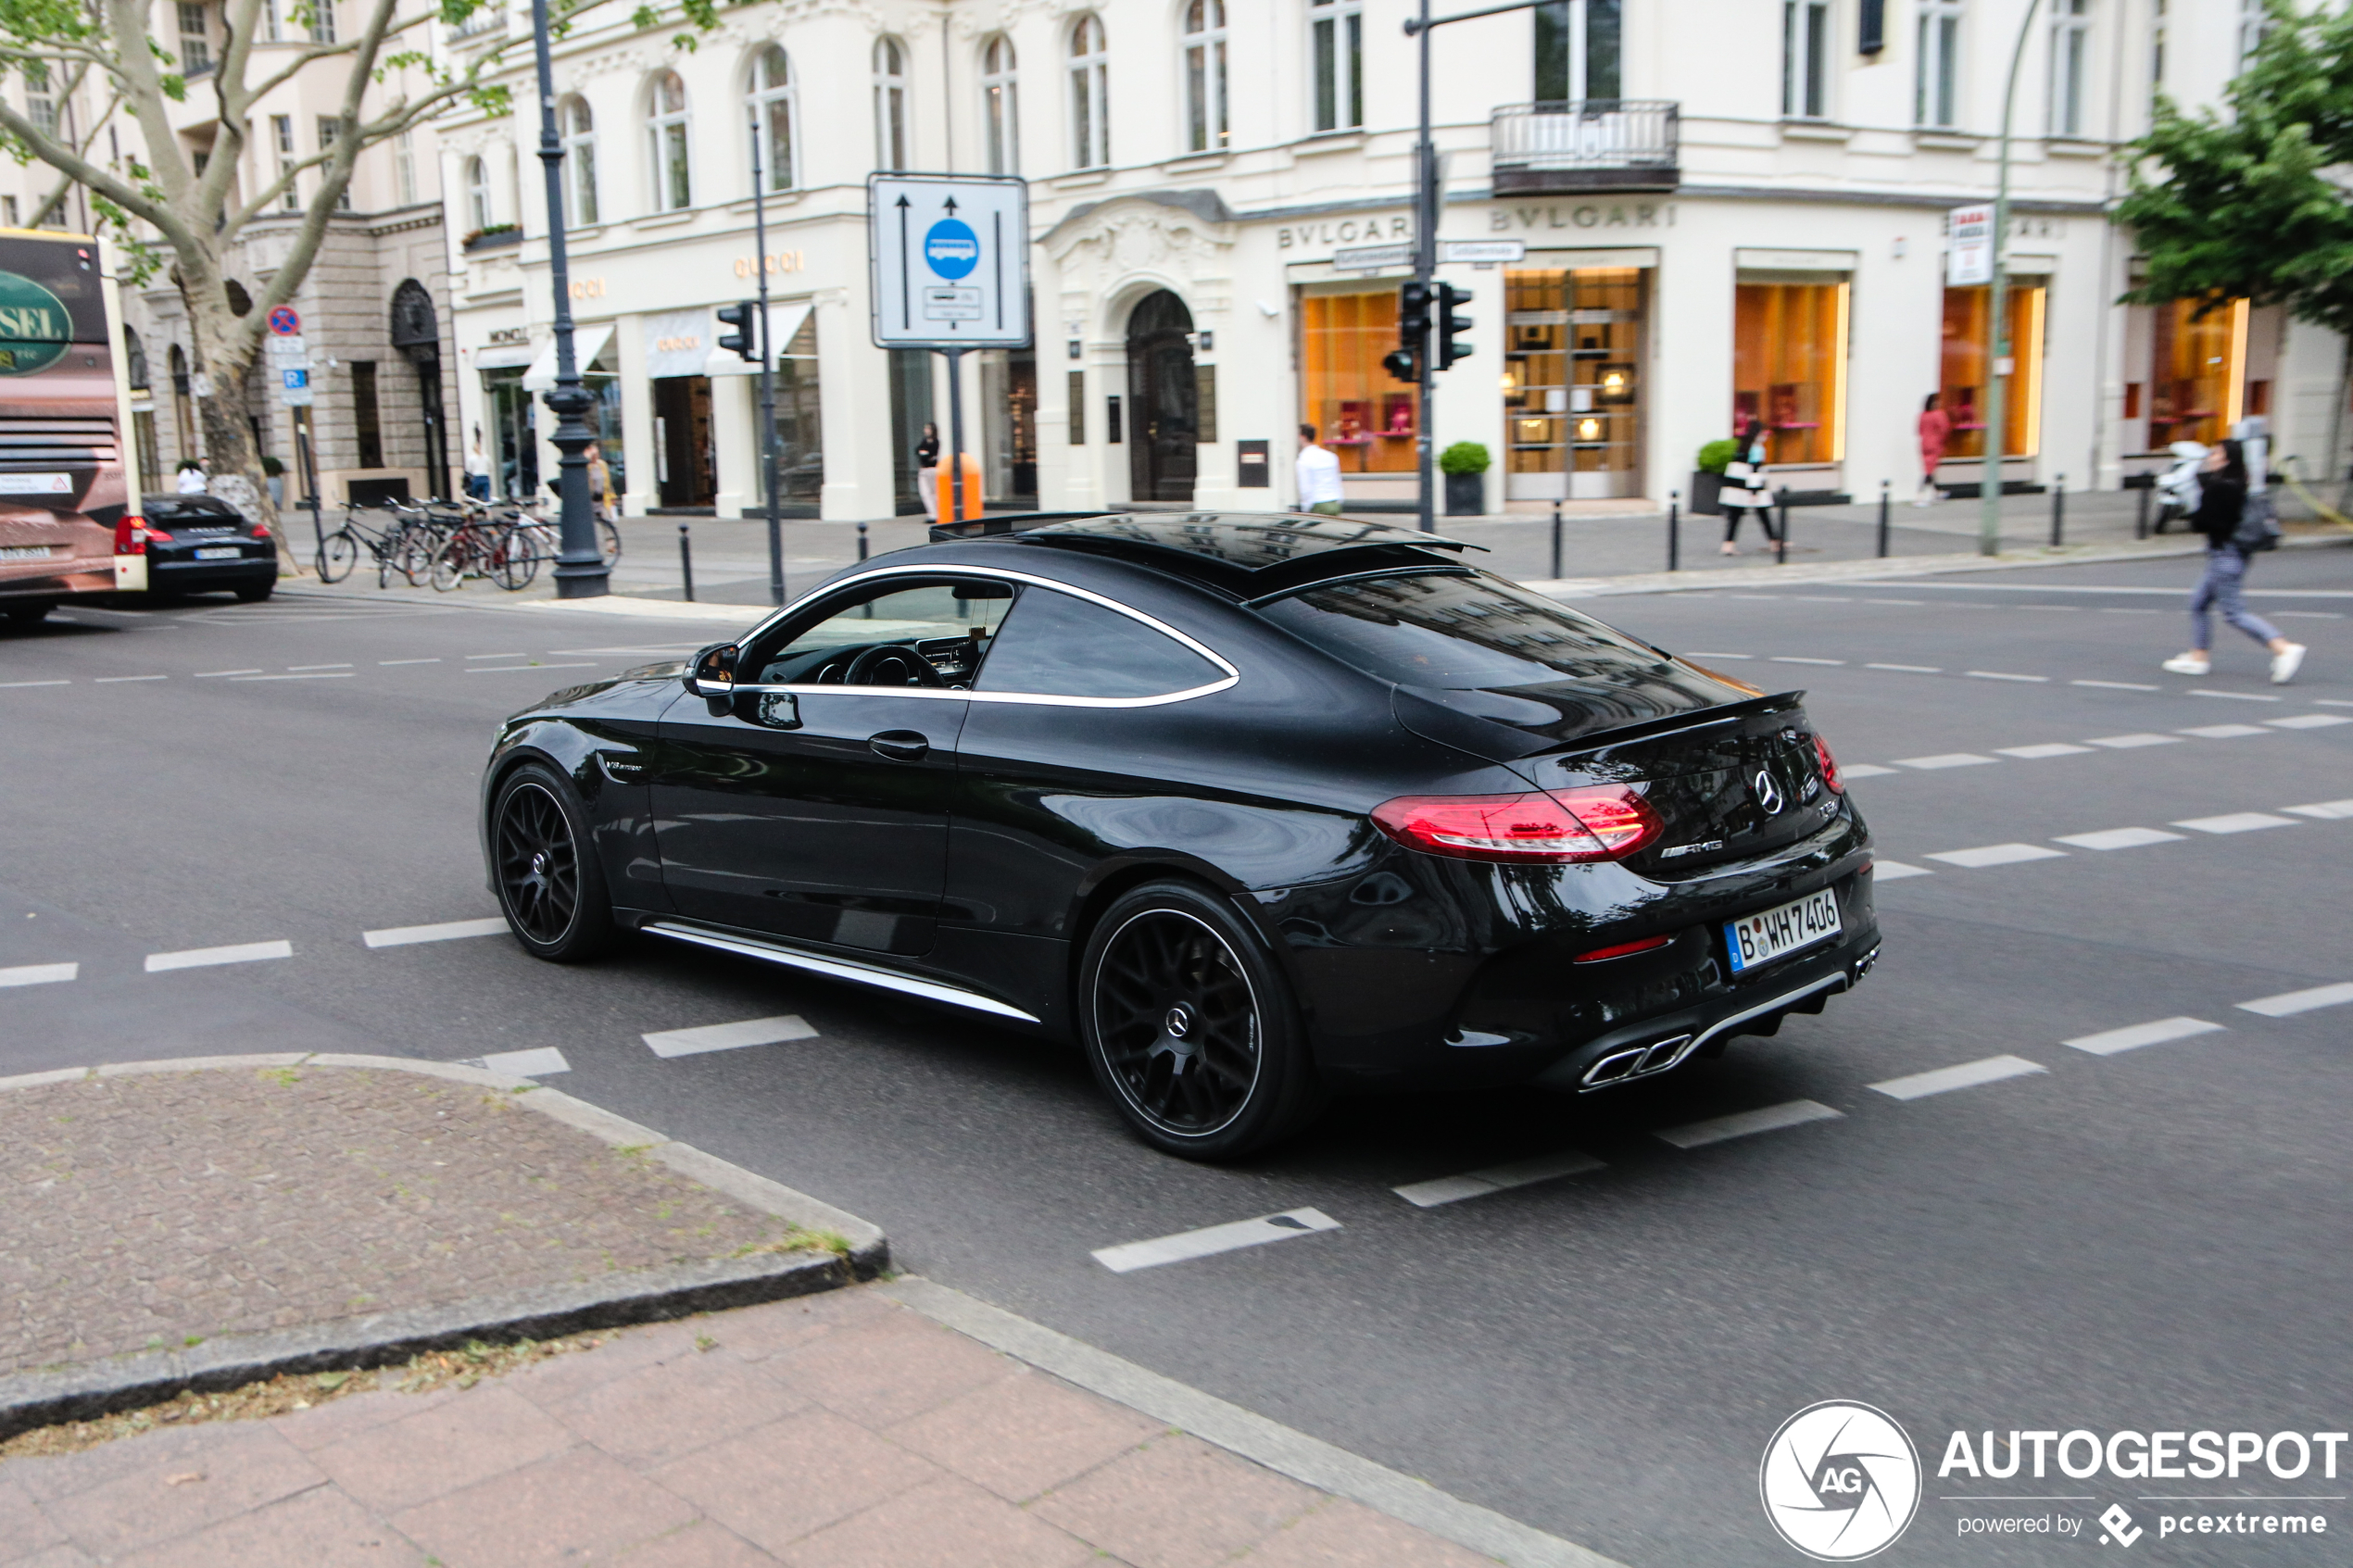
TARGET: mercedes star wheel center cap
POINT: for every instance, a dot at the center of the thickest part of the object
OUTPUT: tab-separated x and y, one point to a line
1179	1020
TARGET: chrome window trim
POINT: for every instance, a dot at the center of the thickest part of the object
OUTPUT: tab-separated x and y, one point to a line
1041	699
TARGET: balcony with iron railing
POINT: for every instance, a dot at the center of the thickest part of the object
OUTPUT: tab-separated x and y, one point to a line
1588	144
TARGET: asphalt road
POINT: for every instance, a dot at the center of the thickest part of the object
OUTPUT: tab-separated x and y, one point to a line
2142	1238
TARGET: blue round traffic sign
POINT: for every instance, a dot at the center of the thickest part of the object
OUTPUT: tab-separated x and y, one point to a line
951	248
284	322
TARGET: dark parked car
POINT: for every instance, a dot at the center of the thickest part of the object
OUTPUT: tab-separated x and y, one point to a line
1252	808
201	544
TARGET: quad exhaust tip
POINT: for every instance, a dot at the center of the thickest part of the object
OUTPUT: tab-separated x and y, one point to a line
1637	1061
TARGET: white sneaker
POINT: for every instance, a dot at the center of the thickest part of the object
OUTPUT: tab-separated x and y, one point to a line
2286	663
2182	664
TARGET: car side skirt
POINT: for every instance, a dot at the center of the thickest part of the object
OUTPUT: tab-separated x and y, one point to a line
836	968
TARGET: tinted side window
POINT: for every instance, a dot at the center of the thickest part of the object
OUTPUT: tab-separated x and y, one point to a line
1052	645
1462	632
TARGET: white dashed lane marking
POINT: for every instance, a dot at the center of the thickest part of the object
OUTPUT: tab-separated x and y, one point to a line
2326	810
203	958
1863	770
2129	743
1792	659
392	661
2309	721
1945	760
2118	838
2002	675
2235	697
318	675
2289	1003
2037	753
728	1036
2118	685
1908	669
13	686
2225	732
1289	1225
309	667
1497	1178
1741	1125
1896	870
2110	1042
1997	855
510	668
215	674
118	680
38	973
537	1062
497	656
2235	821
448	931
1968	1075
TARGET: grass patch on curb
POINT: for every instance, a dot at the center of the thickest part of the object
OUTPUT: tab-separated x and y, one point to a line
300	1391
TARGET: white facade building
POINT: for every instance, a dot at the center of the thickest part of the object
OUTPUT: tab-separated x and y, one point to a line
1732	208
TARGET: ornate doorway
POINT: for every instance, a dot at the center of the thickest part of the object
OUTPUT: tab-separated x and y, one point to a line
1164	400
416	331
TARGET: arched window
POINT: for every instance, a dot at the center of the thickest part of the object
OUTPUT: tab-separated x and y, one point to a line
773	113
1204	49
580	160
478	192
134	360
1089	90
1001	106
891	104
673	185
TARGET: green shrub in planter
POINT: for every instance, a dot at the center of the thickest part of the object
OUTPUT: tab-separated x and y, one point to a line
1464	456
1715	454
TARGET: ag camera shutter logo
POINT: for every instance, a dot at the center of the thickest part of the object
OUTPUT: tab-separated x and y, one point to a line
1840	1481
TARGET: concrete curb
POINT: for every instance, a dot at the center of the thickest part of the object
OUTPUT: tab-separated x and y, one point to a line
40	1398
1876	570
1279	1448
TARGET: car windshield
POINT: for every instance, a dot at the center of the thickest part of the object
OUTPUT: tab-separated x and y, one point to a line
1459	631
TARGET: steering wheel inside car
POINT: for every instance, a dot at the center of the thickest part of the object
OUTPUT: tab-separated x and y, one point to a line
889	664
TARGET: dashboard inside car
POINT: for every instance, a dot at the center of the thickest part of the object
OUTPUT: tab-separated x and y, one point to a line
904	661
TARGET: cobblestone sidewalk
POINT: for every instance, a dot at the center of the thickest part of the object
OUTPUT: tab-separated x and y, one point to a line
156	1209
840	1429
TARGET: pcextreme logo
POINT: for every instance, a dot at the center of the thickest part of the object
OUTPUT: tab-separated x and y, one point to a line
1840	1481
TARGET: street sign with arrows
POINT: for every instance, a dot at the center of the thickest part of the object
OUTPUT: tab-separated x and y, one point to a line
951	260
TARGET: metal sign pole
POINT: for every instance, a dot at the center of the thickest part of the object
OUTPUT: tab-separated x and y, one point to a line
767	375
1425	268
958	501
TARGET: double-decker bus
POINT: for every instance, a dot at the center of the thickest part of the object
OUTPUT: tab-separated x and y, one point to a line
68	486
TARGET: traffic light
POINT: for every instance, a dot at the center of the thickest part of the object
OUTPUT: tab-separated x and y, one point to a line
745	339
1451	325
1404	361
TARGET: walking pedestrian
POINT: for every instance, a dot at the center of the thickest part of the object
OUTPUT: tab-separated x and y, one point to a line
1935	426
927	471
193	479
599	480
1744	488
1317	474
2221	507
477	470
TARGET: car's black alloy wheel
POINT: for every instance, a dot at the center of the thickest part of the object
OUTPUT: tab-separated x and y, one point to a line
550	884
1190	1025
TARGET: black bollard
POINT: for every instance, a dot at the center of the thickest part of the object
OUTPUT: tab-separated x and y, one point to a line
861	538
2141	513
686	562
1780	536
1556	541
1882	519
1674	532
2058	511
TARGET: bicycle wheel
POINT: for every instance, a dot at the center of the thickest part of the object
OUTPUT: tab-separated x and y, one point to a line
415	556
609	540
512	562
337	556
449	566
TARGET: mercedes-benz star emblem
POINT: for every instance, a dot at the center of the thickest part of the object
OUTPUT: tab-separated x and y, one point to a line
1179	1020
1768	794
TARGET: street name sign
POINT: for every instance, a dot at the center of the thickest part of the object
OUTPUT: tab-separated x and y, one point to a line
1371	258
948	256
1482	252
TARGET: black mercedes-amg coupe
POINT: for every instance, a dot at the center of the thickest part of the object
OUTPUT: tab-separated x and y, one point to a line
1252	808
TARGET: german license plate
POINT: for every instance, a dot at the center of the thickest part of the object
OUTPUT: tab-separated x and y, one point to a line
220	552
24	552
1760	938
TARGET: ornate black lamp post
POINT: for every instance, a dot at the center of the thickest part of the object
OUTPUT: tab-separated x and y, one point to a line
581	571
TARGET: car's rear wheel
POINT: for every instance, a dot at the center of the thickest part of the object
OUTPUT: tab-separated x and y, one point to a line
1190	1027
550	886
253	593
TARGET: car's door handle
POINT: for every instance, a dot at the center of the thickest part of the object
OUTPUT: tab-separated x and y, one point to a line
901	745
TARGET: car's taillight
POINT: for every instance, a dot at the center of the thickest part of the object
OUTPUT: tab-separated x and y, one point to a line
130	536
1552	827
261	531
1829	763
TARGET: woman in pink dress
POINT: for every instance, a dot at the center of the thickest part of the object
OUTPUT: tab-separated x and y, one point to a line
1935	425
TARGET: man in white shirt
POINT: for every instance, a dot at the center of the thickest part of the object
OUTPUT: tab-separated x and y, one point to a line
1318	474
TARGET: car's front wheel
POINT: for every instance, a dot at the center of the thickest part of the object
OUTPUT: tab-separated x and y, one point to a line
1190	1027
550	886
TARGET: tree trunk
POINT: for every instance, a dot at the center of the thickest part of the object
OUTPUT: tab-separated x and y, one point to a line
224	359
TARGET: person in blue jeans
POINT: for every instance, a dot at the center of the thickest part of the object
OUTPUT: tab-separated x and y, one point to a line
2221	484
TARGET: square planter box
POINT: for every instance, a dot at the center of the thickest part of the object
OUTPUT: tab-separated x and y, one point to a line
1465	494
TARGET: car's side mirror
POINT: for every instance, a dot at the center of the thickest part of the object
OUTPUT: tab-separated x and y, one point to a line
712	672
